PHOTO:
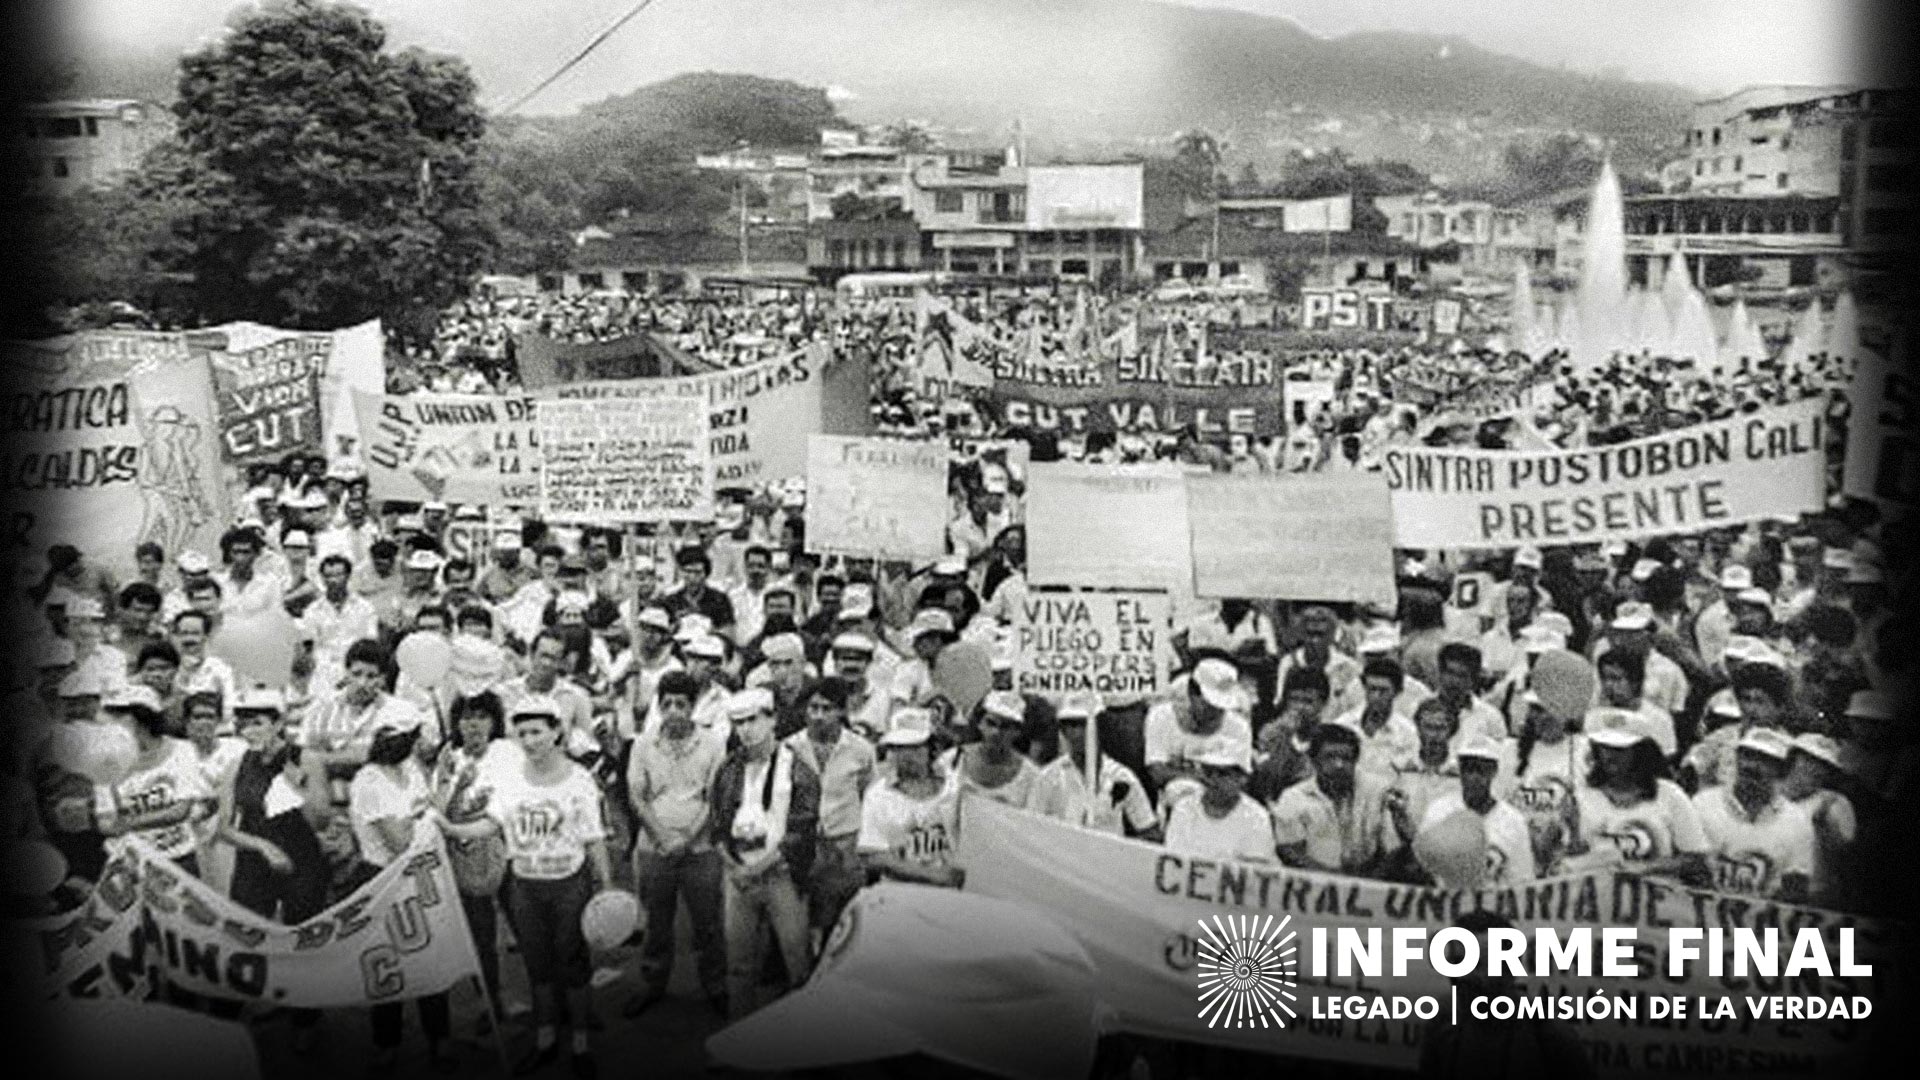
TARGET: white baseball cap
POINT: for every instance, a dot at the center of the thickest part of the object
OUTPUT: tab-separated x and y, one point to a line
706	647
750	703
1616	727
1529	557
1632	616
1479	746
1736	578
1766	741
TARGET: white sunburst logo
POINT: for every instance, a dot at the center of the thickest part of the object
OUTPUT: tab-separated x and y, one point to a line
1246	970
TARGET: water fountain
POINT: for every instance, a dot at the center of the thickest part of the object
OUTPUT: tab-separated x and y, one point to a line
1649	328
1601	299
1743	339
1809	335
1694	336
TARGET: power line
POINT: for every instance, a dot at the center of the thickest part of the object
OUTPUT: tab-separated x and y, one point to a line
579	56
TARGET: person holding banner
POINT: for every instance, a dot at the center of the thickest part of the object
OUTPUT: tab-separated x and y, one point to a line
1338	821
1628	814
1117	802
1213	712
388	798
910	820
1221	822
548	808
1759	843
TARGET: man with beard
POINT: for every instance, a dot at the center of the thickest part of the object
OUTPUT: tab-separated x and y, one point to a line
1758	843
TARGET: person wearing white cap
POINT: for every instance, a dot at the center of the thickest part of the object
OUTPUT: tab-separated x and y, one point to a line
1761	696
166	793
1510	858
1714	625
1814	774
87	628
651	657
854	657
763	814
1629	815
910	817
1215	711
419	587
1524	578
1632	630
1759	844
548	808
507	571
194	566
548	660
1221	821
1337	821
300	578
993	767
930	632
1117	804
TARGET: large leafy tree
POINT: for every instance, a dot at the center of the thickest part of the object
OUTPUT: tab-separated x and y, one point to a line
334	181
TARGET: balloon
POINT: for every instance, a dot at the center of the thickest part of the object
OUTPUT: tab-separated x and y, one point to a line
964	674
425	659
609	919
34	867
1566	683
103	751
1454	850
258	646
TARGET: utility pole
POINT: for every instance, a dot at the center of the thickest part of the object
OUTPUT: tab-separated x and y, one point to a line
740	183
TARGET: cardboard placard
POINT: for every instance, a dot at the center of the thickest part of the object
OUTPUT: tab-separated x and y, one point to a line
619	459
878	498
1292	536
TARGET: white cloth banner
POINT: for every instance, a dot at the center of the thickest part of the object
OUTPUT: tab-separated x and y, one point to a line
1757	465
878	498
1137	908
148	924
761	413
457	448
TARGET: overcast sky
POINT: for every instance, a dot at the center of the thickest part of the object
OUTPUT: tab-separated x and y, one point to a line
1708	45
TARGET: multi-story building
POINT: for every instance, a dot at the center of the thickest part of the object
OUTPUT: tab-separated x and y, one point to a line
1489	238
873	172
1769	140
68	145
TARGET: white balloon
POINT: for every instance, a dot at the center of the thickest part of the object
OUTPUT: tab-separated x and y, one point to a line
103	751
610	918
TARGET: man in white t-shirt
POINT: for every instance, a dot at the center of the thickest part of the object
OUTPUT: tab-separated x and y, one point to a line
1221	822
1118	802
910	821
1213	715
1758	843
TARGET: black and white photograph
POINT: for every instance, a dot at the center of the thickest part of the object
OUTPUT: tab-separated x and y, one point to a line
1026	539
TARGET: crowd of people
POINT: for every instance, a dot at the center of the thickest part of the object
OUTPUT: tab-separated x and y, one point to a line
714	716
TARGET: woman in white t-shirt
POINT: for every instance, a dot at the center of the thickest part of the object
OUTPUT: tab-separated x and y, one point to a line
388	798
992	767
549	810
166	794
910	821
1629	815
1550	765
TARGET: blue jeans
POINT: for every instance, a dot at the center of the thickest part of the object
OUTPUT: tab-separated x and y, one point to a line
663	880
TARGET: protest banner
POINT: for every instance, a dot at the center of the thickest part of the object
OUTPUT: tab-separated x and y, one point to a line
1300	536
1160	390
1108	526
546	363
1345	309
1756	465
269	398
456	448
1883	450
350	359
876	498
1115	644
618	459
1136	908
111	440
761	413
148	924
